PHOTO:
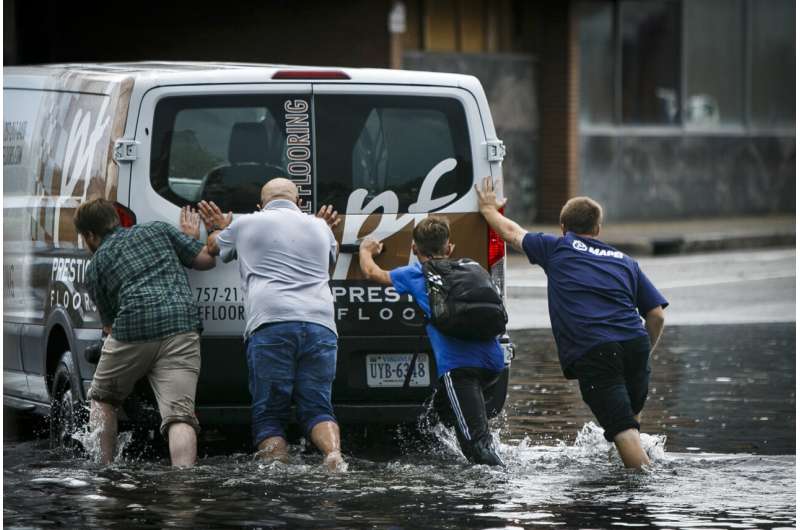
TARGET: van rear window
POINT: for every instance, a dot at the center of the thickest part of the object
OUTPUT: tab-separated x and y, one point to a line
224	148
390	143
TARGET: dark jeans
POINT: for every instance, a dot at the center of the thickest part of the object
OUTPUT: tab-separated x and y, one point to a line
290	362
614	378
460	401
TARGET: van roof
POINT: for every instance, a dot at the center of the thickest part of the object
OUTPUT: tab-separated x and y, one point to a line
169	73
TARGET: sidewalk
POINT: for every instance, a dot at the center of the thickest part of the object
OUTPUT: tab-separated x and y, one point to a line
696	235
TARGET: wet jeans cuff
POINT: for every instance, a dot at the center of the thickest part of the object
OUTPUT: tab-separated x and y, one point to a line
316	420
267	430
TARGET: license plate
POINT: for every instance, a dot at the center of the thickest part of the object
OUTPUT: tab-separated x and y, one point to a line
389	370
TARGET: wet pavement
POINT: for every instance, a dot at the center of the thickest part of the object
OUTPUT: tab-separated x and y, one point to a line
720	426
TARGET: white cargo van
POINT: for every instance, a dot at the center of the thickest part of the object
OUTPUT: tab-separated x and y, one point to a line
385	147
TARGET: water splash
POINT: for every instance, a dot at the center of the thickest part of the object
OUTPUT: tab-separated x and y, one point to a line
90	441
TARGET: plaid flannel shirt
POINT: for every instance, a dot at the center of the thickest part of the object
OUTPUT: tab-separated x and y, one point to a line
137	280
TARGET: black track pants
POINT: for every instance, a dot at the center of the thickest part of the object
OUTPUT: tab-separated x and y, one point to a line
460	402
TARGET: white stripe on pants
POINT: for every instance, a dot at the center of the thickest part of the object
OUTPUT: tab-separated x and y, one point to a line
451	393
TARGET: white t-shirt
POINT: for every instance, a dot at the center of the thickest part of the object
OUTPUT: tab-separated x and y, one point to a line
284	256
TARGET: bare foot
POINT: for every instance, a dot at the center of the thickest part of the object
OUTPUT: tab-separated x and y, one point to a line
334	462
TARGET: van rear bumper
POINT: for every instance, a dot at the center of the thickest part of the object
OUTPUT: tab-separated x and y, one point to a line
371	412
346	413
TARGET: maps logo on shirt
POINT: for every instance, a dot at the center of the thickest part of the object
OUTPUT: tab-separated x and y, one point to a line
580	245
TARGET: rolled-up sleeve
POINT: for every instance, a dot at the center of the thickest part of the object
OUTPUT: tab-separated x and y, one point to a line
226	241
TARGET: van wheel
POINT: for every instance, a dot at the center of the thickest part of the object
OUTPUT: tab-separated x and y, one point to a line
67	412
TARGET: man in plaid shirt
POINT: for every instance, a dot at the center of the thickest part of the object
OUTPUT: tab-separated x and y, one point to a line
138	282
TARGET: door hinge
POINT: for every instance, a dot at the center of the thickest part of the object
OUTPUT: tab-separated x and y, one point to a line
125	150
495	150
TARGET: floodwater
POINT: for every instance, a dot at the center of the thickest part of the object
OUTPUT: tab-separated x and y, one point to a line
720	427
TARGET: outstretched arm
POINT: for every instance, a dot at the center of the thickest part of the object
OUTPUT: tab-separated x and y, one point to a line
654	323
370	248
489	206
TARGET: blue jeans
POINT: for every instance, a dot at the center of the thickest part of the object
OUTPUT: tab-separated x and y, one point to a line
290	362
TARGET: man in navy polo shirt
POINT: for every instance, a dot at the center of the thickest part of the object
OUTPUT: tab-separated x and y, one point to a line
597	298
466	368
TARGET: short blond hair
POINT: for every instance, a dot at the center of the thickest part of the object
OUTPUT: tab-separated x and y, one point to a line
581	215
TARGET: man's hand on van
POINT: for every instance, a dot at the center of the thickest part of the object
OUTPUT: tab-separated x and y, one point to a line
489	205
371	246
190	222
213	217
329	215
367	251
487	196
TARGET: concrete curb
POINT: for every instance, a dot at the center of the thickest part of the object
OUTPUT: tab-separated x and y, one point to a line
662	246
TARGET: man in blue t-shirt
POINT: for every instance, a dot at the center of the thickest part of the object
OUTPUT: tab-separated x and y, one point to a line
466	368
597	298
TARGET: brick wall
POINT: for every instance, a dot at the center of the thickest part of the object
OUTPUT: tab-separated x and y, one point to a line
557	46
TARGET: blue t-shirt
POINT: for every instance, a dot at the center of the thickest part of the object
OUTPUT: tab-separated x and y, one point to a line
595	293
450	352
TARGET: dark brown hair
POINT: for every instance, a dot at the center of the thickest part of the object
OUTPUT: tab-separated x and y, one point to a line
97	216
431	236
581	215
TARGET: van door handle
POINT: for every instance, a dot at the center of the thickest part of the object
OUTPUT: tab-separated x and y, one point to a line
350	248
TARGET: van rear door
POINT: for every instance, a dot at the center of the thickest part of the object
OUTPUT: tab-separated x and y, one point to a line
386	157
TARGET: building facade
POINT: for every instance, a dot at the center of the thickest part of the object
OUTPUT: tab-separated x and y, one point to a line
658	108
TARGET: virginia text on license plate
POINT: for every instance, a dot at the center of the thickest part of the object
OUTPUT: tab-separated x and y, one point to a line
389	370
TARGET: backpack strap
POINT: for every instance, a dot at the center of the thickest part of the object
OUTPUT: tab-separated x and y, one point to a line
410	371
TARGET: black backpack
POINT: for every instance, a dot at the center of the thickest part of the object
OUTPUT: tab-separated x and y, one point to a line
464	301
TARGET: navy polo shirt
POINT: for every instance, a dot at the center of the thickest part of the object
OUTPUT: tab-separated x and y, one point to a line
595	293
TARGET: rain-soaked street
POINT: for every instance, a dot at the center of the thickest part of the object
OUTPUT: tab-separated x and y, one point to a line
720	423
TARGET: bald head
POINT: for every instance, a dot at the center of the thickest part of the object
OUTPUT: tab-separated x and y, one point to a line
279	188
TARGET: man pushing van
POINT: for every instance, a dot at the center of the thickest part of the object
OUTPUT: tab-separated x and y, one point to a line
284	257
597	298
138	282
468	361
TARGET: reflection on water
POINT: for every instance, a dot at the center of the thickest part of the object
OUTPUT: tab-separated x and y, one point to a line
713	388
577	485
560	471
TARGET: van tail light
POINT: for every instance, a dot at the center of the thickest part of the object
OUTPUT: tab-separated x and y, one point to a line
310	74
497	247
126	216
497	259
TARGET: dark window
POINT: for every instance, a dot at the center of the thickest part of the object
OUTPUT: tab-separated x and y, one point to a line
714	62
651	52
389	143
773	63
597	49
224	148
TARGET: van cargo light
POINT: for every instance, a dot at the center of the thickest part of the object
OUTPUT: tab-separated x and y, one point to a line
310	74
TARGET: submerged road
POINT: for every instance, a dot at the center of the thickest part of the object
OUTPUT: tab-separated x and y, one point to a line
753	286
722	406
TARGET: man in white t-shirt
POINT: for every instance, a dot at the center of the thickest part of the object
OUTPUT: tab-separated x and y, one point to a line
284	259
